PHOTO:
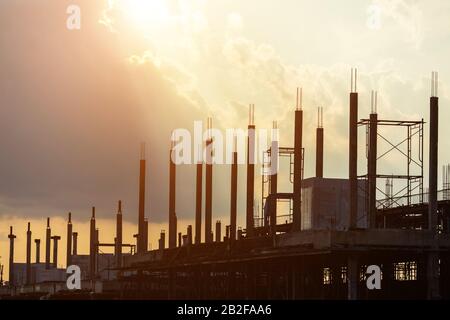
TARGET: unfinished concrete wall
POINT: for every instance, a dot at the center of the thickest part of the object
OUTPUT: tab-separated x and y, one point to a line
325	204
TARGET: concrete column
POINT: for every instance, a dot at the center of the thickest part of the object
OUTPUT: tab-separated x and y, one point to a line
433	288
233	197
92	246
297	214
218	231
118	248
250	181
353	159
48	236
162	240
11	237
28	254
319	152
372	169
352	278
141	216
189	234
208	193
38	250
55	250
75	243
69	242
172	203
198	203
273	180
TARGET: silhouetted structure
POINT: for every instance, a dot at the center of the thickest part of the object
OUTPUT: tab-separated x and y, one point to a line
55	250
198	201
38	250
318	249
353	149
69	241
372	162
319	144
251	143
172	197
233	197
48	235
208	191
11	237
92	245
298	138
141	241
28	253
75	243
218	231
118	243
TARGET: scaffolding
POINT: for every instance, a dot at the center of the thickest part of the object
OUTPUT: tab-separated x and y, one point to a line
446	182
286	217
414	164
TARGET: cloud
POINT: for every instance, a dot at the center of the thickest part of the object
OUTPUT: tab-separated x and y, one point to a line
105	17
406	15
235	21
79	104
400	98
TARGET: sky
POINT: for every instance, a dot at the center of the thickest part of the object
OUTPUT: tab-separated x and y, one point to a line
75	105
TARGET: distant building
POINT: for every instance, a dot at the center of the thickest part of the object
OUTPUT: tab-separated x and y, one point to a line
105	262
39	274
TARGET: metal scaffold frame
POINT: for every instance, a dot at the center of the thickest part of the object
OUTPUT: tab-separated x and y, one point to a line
414	135
283	152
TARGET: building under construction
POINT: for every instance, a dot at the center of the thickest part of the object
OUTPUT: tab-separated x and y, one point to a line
317	248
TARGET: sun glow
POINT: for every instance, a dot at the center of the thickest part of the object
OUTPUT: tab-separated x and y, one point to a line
146	13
